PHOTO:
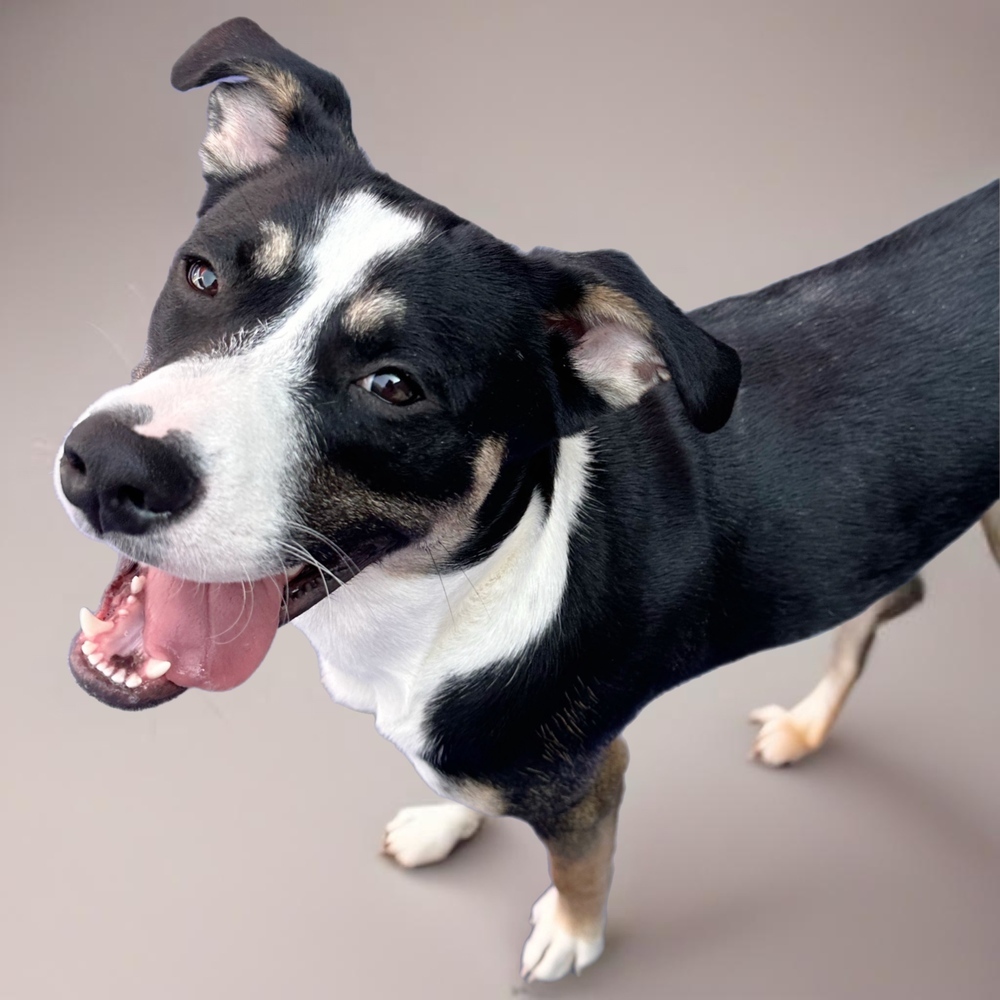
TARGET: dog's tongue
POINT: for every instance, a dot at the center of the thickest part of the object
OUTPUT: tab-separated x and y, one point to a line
215	635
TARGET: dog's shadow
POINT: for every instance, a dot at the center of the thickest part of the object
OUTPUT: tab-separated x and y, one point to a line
918	801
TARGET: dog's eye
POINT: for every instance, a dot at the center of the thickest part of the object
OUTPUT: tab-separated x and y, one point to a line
202	278
393	386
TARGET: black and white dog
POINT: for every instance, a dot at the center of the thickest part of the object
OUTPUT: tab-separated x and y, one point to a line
511	498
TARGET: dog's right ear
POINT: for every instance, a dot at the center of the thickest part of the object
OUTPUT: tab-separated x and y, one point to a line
267	101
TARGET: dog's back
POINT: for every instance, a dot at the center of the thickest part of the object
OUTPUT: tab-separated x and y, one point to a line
865	437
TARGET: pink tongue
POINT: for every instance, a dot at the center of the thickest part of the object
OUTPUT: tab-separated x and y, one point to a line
215	635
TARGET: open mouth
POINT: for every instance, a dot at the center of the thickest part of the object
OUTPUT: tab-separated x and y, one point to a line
155	635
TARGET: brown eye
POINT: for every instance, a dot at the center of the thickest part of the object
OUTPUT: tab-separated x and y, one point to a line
202	278
393	386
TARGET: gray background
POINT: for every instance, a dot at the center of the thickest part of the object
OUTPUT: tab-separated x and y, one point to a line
225	846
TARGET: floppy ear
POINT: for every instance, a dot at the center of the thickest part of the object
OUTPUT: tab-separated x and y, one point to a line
621	336
267	101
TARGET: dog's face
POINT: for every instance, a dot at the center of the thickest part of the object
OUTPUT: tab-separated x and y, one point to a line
337	371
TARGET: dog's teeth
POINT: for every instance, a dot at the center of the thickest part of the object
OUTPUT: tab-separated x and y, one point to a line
123	611
131	599
156	668
138	582
92	626
95	658
106	669
88	647
133	680
118	676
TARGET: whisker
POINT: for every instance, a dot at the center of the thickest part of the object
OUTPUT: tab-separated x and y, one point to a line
108	338
444	588
326	540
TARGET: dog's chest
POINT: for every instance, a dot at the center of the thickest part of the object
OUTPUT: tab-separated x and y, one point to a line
376	639
388	643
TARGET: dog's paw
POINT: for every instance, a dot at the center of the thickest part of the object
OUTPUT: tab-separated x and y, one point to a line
785	735
553	949
424	835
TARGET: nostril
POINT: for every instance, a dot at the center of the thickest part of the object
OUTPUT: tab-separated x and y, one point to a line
73	460
129	496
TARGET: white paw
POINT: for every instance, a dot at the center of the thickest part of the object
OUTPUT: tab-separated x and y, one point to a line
785	736
552	949
423	835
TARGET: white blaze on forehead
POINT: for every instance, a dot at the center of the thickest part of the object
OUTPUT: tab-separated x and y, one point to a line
353	234
242	413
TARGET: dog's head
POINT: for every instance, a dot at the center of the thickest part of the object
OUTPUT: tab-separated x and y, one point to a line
337	371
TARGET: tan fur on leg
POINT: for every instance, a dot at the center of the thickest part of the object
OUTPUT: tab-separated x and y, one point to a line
788	735
569	918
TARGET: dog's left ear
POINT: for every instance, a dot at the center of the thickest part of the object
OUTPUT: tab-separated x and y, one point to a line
267	101
621	336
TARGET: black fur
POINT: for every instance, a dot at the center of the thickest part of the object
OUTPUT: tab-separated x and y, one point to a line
817	441
863	441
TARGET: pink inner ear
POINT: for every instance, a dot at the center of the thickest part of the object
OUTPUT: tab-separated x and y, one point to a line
618	362
244	131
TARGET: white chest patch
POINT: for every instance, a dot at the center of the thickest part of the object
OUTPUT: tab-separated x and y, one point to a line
387	643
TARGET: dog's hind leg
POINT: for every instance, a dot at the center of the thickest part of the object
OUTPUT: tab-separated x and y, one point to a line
991	525
788	735
569	917
424	835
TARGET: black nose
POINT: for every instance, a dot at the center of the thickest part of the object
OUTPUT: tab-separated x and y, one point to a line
122	480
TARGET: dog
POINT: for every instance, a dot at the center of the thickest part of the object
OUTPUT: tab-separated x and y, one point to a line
512	497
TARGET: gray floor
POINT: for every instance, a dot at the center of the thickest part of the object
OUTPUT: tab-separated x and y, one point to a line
226	846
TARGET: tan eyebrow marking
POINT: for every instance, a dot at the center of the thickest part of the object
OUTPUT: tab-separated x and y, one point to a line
368	311
274	255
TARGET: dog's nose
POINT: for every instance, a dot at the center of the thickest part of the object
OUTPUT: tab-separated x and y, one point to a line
124	481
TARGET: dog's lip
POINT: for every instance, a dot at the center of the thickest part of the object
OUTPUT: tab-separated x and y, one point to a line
146	683
149	694
305	587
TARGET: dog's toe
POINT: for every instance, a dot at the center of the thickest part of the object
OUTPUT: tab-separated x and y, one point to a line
553	949
783	738
424	835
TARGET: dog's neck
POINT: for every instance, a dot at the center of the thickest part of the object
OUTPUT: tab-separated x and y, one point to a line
386	639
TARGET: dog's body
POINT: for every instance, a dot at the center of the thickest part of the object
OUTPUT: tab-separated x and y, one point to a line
566	507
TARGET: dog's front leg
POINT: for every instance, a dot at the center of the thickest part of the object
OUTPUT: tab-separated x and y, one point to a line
569	918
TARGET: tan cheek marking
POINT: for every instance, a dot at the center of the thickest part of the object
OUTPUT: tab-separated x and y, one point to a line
368	312
343	501
458	521
440	528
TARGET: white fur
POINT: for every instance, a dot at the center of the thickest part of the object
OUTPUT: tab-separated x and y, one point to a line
554	948
387	643
240	407
424	835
